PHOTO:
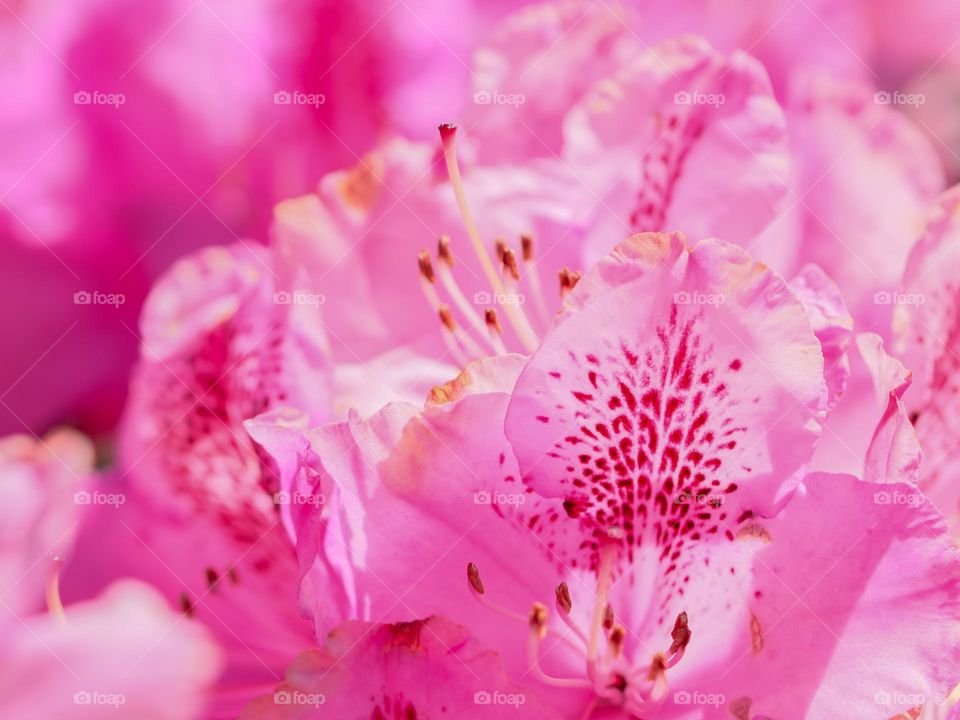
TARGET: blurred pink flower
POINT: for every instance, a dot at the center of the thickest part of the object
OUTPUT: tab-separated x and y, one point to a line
406	670
927	331
124	655
223	340
123	652
119	157
864	177
40	480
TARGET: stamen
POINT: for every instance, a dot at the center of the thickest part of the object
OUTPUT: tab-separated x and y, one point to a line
444	253
681	635
473	577
608	555
448	137
427	279
501	247
426	267
608	617
538	631
509	260
450	336
538	619
478	592
511	281
564	605
618	636
495	331
568	281
54	603
212	578
657	675
526	247
533	278
450	284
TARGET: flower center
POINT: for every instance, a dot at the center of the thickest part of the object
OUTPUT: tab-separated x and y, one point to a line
637	688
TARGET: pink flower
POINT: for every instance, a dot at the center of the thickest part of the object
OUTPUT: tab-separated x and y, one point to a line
894	452
117	157
358	241
40	482
406	670
123	652
648	458
864	178
926	324
553	208
223	340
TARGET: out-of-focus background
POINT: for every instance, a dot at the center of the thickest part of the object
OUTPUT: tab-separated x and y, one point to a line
132	133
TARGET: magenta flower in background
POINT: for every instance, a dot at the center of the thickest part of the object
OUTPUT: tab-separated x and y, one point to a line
120	155
631	395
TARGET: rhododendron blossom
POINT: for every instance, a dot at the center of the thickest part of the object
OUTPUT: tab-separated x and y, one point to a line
628	395
630	478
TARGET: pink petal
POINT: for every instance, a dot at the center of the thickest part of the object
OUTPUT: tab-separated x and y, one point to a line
830	321
681	138
123	655
396	376
421	669
359	237
447	472
535	66
222	344
866	176
927	320
44	490
675	372
894	453
862	620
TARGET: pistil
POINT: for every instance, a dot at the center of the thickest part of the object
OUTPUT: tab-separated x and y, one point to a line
448	134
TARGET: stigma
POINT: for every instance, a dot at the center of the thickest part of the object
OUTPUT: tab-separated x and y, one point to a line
511	276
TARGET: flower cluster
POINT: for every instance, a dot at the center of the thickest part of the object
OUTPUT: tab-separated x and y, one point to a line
632	394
